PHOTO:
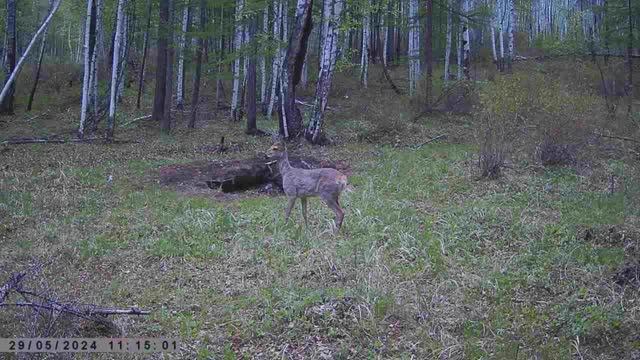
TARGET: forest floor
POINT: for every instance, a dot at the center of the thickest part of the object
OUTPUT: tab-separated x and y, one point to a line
432	262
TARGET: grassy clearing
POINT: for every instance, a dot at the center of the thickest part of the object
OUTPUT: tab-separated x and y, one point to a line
432	262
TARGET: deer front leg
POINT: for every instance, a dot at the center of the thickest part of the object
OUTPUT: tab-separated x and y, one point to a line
303	202
292	201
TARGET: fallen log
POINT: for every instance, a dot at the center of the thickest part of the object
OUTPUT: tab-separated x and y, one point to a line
236	175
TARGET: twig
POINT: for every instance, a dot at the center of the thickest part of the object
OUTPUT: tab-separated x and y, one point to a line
136	119
620	138
429	141
386	75
37	116
310	105
48	141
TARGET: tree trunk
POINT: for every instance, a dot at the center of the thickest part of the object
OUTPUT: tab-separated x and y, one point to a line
6	106
237	44
414	46
328	57
182	48
263	61
278	57
36	77
195	101
251	82
629	53
145	47
428	51
512	32
115	69
447	51
501	59
165	124
466	45
494	53
124	53
384	27
89	38
159	98
364	54
221	58
290	118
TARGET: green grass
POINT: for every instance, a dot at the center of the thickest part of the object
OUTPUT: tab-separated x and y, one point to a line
431	263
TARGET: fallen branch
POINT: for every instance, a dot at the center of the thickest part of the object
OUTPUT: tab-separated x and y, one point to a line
87	310
311	105
441	136
37	116
136	119
48	141
620	138
33	300
61	141
386	75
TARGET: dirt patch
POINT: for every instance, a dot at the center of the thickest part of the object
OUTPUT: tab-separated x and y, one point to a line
628	275
233	179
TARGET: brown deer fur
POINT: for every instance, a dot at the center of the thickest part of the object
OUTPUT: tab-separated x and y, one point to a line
325	183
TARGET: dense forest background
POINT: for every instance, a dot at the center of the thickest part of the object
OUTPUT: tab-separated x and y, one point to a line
491	149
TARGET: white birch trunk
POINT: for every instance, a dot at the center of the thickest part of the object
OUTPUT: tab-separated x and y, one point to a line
366	34
115	68
87	72
512	31
275	72
385	36
466	48
123	54
237	44
328	57
263	59
493	44
447	50
414	46
181	50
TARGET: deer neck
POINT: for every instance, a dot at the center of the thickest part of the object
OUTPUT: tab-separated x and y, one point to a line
283	164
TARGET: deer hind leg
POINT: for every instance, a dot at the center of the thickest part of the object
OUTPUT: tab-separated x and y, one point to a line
333	204
303	203
287	212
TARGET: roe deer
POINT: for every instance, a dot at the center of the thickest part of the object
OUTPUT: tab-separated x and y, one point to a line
326	183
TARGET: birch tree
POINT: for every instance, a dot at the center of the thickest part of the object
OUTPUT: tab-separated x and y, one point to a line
263	60
447	51
290	116
428	50
330	27
115	68
278	57
237	44
512	31
366	38
182	48
414	46
6	105
89	41
7	88
466	45
196	80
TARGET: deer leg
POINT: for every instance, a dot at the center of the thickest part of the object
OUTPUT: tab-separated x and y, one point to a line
287	212
303	203
332	203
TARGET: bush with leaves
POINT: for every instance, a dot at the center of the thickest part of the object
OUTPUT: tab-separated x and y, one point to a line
532	111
